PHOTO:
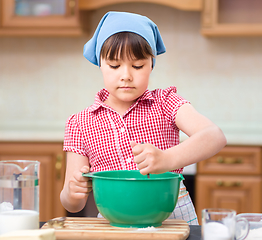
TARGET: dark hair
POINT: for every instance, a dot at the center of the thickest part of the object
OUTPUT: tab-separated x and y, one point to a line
127	44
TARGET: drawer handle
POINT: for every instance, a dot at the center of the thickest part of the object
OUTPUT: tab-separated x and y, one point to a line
221	183
58	165
71	5
229	160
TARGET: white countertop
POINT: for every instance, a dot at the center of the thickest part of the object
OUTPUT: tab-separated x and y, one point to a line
239	138
32	136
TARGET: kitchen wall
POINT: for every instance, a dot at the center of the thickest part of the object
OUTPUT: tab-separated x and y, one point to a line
44	80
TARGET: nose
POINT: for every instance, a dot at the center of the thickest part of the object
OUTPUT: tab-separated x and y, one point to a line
126	74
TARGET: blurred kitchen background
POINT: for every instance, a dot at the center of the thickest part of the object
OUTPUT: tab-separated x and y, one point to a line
44	78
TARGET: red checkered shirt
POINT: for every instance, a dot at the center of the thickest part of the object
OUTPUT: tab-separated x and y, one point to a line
104	136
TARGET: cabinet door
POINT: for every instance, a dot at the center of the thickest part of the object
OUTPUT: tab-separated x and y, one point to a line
42	17
52	169
234	161
232	18
241	193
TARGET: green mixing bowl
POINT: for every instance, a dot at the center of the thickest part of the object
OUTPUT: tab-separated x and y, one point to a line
127	198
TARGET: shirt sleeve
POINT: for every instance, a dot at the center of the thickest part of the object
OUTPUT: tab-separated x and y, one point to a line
172	102
73	141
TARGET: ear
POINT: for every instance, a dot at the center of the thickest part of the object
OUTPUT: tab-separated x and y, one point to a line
152	62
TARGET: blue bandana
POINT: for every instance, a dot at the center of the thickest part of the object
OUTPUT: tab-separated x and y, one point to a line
114	22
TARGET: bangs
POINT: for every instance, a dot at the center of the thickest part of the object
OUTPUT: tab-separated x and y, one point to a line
128	44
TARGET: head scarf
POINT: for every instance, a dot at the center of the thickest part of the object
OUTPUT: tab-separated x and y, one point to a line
114	22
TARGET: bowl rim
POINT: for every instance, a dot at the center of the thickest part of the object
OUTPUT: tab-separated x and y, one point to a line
171	175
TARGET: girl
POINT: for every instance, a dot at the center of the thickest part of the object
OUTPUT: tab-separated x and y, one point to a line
107	135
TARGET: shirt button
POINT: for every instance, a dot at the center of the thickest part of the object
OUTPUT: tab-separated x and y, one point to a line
129	160
122	129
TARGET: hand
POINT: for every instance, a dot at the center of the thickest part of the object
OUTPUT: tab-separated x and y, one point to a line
79	186
149	158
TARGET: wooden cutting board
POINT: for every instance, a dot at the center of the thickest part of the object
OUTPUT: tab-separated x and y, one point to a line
99	228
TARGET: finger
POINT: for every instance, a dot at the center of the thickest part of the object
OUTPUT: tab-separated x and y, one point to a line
139	159
85	169
78	190
142	165
89	189
77	184
138	149
80	195
144	171
89	184
133	143
79	178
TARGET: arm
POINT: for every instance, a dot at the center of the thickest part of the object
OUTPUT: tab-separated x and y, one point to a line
76	187
205	140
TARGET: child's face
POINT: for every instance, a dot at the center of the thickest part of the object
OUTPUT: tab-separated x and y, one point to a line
126	80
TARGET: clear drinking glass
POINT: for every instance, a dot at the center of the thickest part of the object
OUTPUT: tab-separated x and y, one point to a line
19	195
222	224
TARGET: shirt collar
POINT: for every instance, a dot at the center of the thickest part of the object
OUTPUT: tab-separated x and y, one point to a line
103	94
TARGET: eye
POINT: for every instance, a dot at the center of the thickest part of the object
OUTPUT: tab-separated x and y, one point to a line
138	67
114	66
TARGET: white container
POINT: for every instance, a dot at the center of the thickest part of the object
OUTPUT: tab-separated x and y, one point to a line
18	220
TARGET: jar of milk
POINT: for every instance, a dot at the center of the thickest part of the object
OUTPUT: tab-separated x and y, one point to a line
19	195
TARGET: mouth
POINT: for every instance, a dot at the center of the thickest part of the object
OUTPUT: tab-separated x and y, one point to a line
126	88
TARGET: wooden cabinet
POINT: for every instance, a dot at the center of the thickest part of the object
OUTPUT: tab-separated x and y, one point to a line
24	17
52	172
232	18
187	5
29	21
230	179
219	17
